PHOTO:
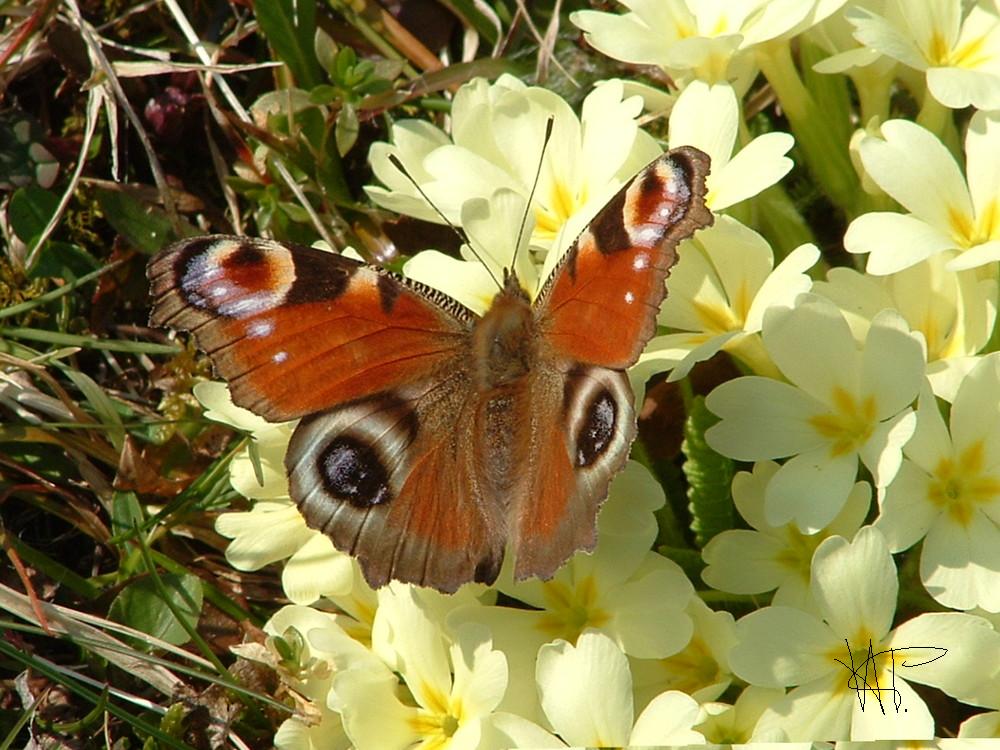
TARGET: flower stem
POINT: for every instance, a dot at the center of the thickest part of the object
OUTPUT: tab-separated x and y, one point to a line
815	130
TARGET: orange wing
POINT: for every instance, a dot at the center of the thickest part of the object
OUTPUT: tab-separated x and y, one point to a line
296	330
600	304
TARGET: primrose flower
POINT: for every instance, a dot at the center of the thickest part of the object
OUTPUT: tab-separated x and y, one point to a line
855	587
700	669
586	693
950	214
708	118
956	44
947	493
773	557
723	724
308	668
497	136
273	529
720	288
710	41
452	686
954	311
869	70
842	404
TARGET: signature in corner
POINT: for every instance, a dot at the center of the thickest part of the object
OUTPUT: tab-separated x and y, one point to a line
867	681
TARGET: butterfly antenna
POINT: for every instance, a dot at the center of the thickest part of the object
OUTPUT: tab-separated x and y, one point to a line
534	185
394	160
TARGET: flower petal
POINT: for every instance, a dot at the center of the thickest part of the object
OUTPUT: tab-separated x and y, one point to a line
894	241
317	569
906	514
931	187
586	690
667	720
706	117
855	584
810	489
958	88
756	167
982	150
813	347
781	646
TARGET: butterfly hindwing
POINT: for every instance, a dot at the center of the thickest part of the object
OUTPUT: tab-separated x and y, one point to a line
391	480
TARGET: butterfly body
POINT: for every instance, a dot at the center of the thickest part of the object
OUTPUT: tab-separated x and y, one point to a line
431	438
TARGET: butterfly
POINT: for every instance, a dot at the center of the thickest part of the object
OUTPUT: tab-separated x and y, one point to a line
432	438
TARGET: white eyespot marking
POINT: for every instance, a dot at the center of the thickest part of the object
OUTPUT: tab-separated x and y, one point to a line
223	277
279	357
640	261
260	328
629	298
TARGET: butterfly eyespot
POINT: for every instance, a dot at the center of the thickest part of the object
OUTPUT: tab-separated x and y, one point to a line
598	430
352	471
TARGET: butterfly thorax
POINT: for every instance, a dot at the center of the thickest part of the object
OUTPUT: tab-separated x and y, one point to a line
503	340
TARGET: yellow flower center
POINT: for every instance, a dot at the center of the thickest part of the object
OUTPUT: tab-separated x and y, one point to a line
969	231
691	669
959	484
850	425
437	722
570	611
971	55
938	49
797	555
562	203
716	319
868	671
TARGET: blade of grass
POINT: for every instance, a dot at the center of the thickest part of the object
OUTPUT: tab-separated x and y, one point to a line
44	299
118	653
87	342
103	406
61	676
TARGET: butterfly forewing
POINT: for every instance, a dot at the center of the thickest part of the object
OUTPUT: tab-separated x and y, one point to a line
296	330
600	304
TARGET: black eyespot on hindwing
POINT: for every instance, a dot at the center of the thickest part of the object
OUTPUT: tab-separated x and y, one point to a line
352	471
598	428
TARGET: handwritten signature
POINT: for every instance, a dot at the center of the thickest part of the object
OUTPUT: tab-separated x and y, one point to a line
869	682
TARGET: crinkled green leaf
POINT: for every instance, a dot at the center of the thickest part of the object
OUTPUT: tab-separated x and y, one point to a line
709	476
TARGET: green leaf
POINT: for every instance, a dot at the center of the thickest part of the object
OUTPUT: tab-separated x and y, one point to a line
30	209
104	407
63	260
290	27
140	606
709	476
347	129
323	94
145	226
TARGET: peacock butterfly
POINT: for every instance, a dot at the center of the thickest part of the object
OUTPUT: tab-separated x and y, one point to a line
431	437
